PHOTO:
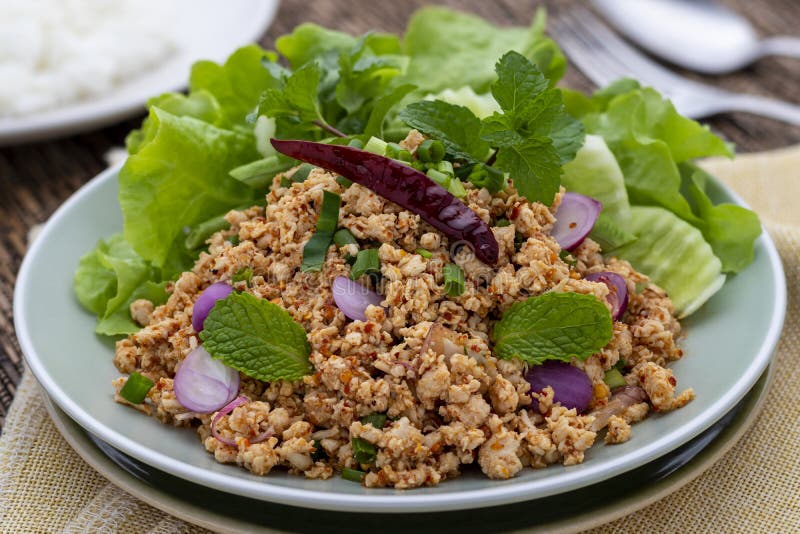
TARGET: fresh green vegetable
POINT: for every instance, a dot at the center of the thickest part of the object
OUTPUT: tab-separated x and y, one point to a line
299	176
319	453
448	47
110	278
343	237
376	146
353	475
614	379
454	283
256	337
454	126
430	150
367	261
675	256
553	326
245	274
317	247
136	388
427	254
198	235
364	452
260	173
378	420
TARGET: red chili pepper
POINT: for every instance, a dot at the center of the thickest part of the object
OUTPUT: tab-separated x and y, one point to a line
402	185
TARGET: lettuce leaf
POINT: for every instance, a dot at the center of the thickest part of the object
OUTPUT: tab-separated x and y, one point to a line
110	278
451	49
654	146
176	180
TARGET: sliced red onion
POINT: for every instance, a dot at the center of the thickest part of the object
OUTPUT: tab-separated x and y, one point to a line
203	384
622	398
353	298
442	340
206	301
617	291
575	218
571	386
225	410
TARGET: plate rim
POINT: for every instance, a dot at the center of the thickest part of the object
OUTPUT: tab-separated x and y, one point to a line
192	513
407	501
95	112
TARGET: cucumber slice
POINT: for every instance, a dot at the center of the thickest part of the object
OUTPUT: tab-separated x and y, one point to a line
674	255
595	172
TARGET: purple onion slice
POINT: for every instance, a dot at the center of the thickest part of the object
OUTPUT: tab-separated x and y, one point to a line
622	398
206	301
225	410
617	291
353	298
571	386
203	384
575	218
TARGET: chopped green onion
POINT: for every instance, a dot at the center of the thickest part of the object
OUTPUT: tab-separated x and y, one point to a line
343	237
445	167
454	282
430	150
245	274
233	240
456	188
302	173
438	177
136	388
344	182
316	248
259	174
501	223
424	253
519	240
620	365
404	155
200	233
378	420
376	146
367	261
353	475
319	453
285	182
614	379
482	176
356	143
393	150
364	452
567	258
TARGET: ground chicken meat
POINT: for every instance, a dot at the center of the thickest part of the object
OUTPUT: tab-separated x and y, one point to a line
440	407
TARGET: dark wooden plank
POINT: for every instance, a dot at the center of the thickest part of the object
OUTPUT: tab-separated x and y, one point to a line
35	179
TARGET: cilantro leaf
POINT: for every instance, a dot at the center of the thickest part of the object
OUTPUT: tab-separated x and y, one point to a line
553	326
535	168
256	337
455	126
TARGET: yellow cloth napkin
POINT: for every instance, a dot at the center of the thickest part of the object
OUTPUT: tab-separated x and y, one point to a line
46	487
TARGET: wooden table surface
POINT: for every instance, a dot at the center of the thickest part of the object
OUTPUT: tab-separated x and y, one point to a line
36	178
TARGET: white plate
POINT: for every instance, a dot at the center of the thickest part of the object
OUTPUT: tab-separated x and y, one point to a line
208	29
729	344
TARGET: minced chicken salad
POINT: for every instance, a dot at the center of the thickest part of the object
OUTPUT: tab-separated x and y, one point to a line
390	258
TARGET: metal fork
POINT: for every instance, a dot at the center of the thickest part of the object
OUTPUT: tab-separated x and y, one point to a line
604	57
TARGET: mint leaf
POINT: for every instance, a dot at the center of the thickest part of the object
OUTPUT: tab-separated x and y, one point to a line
517	80
553	326
535	135
297	100
381	108
455	126
256	337
535	168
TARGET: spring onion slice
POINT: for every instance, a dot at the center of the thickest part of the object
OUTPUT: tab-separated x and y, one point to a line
136	388
367	261
454	282
427	254
353	475
364	452
316	248
343	237
378	420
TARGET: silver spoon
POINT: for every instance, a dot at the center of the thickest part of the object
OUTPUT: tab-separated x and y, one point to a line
699	35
